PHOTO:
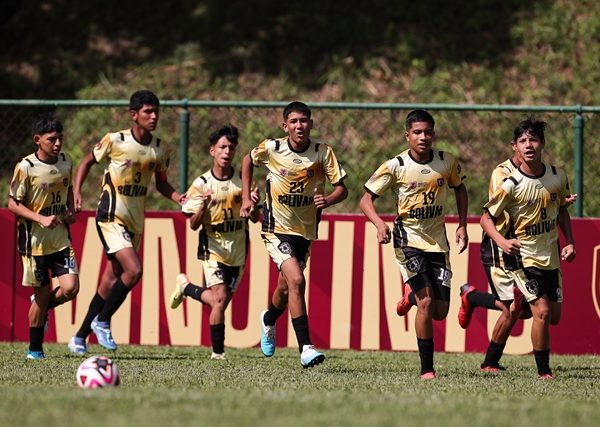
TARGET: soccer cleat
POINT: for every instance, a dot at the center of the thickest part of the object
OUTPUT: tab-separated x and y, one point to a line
217	356
492	368
546	377
32	299
177	296
267	337
310	356
404	304
103	334
428	375
77	346
465	311
35	355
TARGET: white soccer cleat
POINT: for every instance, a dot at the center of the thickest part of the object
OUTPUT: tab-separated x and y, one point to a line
217	356
177	296
310	356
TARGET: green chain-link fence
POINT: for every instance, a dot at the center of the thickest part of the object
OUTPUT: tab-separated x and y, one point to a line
363	135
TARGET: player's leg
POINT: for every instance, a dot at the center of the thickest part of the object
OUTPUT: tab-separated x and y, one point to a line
540	335
220	298
35	275
424	324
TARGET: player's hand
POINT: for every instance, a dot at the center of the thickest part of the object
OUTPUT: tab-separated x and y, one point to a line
319	200
570	199
511	247
247	208
462	239
77	201
384	235
49	222
568	253
206	198
255	194
182	199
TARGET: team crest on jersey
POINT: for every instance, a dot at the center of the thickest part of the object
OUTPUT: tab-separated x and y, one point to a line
310	173
532	287
297	161
425	171
440	181
128	163
219	274
44	186
151	165
53	172
412	185
553	197
66	182
127	236
285	248
413	265
283	172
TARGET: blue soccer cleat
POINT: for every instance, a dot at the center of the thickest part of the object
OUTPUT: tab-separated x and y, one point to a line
77	345
267	337
103	334
35	355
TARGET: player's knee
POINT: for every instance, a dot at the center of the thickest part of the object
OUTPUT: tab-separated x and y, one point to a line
425	304
71	291
132	276
543	314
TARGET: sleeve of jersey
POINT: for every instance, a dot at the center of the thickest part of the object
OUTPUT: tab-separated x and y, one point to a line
333	169
381	180
456	174
194	200
18	184
260	155
496	180
497	203
102	148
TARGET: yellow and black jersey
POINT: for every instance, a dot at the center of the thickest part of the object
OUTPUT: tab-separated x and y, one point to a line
490	253
224	234
43	188
291	182
421	189
127	176
533	203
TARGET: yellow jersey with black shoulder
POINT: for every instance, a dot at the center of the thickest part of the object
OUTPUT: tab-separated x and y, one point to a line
533	204
129	170
421	190
44	189
490	253
292	179
224	234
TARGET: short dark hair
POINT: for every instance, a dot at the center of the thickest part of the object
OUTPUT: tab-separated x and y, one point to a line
228	131
46	123
418	116
296	107
141	98
532	126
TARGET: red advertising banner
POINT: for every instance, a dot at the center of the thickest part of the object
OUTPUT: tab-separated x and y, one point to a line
353	287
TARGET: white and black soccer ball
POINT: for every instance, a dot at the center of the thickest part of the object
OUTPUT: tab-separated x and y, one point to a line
98	372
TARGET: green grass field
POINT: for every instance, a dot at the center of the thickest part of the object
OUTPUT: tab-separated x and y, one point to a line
180	386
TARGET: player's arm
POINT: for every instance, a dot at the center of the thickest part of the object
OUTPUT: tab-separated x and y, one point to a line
166	189
19	209
255	196
462	204
82	173
339	193
488	224
384	234
247	172
68	216
564	223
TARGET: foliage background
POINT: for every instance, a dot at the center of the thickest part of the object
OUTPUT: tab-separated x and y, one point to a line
491	52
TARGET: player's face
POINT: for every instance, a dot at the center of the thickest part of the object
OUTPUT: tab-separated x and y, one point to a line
420	138
223	152
49	145
146	117
529	148
298	126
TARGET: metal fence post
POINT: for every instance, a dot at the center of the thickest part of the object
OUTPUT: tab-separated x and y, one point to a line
184	133
578	125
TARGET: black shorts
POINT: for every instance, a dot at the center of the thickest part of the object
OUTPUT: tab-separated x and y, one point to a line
426	269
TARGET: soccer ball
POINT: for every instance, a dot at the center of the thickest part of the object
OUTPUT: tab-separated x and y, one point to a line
98	372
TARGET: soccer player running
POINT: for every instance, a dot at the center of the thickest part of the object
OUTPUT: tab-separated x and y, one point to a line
534	196
298	167
133	157
213	206
41	197
420	178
